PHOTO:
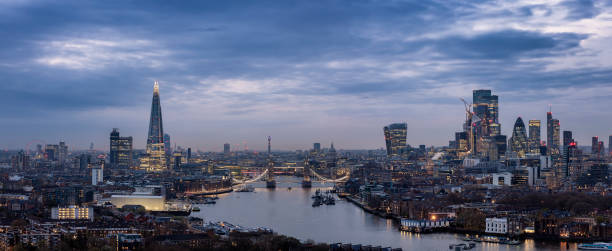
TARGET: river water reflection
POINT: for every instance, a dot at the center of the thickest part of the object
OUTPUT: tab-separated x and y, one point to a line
289	212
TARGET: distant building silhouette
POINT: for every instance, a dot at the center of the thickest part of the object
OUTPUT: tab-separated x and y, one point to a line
120	150
226	148
316	147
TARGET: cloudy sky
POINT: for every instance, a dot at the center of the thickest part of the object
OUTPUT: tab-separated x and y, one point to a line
299	71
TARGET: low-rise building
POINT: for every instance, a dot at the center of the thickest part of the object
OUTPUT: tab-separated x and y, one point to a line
72	213
497	225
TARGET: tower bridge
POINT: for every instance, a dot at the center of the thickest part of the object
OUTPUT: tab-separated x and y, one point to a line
314	176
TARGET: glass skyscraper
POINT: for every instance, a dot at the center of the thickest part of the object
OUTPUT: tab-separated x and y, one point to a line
120	150
155	159
167	143
485	123
553	135
395	138
534	136
518	141
567	138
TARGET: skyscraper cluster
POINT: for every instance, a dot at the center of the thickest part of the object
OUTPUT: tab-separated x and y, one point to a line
481	136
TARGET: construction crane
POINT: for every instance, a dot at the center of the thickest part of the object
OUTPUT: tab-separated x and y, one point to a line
468	124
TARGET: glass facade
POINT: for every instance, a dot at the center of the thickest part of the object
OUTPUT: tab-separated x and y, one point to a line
155	159
534	136
120	150
395	138
518	141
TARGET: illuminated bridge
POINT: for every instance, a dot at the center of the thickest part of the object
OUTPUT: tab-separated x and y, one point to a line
321	178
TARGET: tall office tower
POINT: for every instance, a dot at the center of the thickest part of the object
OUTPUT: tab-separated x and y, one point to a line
567	138
556	135
62	152
395	138
189	155
84	160
494	126
600	148
316	147
518	141
177	160
120	150
534	136
226	148
553	136
570	160
549	130
502	145
486	107
51	152
595	145
485	120
387	133
461	141
167	145
155	159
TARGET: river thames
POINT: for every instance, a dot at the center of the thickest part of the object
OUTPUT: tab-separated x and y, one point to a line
290	212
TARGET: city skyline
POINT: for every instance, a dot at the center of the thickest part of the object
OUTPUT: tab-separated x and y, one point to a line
306	125
156	134
75	76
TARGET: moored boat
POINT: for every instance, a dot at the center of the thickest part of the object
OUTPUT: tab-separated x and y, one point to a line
595	246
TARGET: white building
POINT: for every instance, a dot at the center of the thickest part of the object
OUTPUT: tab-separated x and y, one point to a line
502	179
468	162
149	202
151	197
97	176
497	225
72	213
409	223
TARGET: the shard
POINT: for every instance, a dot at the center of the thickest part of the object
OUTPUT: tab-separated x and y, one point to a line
155	160
156	128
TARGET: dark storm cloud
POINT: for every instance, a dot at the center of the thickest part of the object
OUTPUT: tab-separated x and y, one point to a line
507	44
242	58
581	9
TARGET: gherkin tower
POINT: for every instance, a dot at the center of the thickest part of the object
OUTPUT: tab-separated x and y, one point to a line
518	141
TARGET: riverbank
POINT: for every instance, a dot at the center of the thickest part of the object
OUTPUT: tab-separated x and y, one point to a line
357	201
451	230
212	192
290	212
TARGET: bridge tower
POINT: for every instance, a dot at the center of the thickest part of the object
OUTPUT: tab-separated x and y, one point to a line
270	181
307	183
